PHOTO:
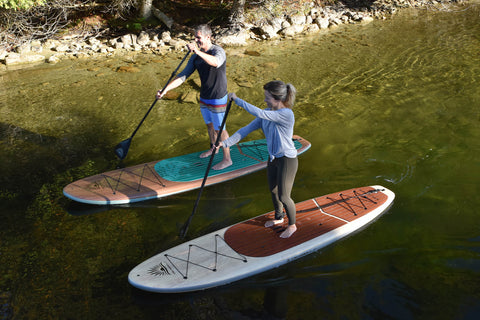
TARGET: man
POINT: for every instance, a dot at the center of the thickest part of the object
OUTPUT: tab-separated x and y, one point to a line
210	62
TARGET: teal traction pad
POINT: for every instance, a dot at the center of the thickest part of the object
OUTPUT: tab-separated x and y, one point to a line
191	167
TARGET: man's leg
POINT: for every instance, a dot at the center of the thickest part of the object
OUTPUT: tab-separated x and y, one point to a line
227	159
213	138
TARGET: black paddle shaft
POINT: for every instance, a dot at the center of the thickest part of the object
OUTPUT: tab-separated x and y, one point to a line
184	230
121	149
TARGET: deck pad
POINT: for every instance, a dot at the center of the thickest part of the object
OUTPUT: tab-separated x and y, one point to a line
314	218
191	167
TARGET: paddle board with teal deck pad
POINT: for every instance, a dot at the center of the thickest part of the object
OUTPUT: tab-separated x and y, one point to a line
191	167
166	177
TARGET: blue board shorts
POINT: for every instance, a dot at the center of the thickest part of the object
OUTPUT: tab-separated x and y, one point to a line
213	111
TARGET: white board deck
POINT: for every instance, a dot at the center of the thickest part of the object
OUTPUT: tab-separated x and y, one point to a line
248	248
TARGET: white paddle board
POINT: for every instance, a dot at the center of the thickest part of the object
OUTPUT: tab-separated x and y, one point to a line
248	248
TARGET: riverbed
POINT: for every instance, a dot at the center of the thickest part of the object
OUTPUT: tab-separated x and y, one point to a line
394	103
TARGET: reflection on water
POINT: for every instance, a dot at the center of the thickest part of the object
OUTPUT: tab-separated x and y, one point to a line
394	103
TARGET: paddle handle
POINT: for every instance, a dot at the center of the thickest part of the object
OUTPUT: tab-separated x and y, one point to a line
184	230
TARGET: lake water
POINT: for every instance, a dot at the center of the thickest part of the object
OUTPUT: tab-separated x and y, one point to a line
395	102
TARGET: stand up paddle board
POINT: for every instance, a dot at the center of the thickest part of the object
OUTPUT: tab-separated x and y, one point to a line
170	176
248	248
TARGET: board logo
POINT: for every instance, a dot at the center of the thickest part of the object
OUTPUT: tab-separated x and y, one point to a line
160	270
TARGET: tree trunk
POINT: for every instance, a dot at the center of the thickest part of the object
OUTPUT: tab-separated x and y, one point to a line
145	9
237	17
163	17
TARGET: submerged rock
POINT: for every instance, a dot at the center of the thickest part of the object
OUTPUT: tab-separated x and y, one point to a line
128	69
190	97
252	53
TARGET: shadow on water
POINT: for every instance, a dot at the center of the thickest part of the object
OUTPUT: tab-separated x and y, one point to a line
82	209
24	155
31	159
272	302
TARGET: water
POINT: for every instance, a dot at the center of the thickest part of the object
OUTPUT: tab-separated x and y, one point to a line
394	103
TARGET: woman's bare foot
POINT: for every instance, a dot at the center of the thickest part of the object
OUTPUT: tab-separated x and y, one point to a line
223	164
271	223
289	231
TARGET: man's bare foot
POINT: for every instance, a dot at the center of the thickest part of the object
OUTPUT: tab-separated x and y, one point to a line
289	231
207	153
223	164
271	223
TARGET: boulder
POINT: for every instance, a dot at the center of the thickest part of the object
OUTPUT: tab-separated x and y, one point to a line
312	28
143	39
24	48
3	53
178	45
366	19
322	23
93	41
14	58
166	37
267	31
299	19
233	38
292	30
61	47
36	46
53	59
127	40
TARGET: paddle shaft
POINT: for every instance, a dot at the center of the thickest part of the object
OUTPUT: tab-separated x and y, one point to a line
121	149
184	230
156	99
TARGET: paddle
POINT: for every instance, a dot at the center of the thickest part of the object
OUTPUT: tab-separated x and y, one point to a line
121	149
184	230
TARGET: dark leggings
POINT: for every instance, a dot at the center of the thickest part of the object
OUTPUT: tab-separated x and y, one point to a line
281	174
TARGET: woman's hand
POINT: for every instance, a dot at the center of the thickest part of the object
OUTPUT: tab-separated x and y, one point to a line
220	145
232	96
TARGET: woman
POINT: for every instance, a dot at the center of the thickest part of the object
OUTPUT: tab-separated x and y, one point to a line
277	123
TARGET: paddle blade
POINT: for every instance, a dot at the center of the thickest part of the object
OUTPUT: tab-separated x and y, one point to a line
121	149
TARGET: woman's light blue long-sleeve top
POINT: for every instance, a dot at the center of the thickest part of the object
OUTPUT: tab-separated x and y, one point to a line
277	125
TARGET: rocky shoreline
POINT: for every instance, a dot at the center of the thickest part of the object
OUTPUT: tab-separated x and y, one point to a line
162	42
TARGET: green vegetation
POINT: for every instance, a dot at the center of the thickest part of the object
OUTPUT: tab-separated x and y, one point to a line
20	4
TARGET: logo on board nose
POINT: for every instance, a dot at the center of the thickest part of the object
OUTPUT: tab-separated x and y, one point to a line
159	270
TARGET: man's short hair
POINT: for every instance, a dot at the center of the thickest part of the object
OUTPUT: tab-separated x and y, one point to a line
204	29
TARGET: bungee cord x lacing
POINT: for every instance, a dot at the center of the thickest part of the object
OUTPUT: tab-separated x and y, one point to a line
170	258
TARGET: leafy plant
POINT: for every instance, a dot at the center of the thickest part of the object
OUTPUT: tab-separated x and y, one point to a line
20	4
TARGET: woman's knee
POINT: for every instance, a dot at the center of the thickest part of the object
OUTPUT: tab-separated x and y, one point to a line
286	200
